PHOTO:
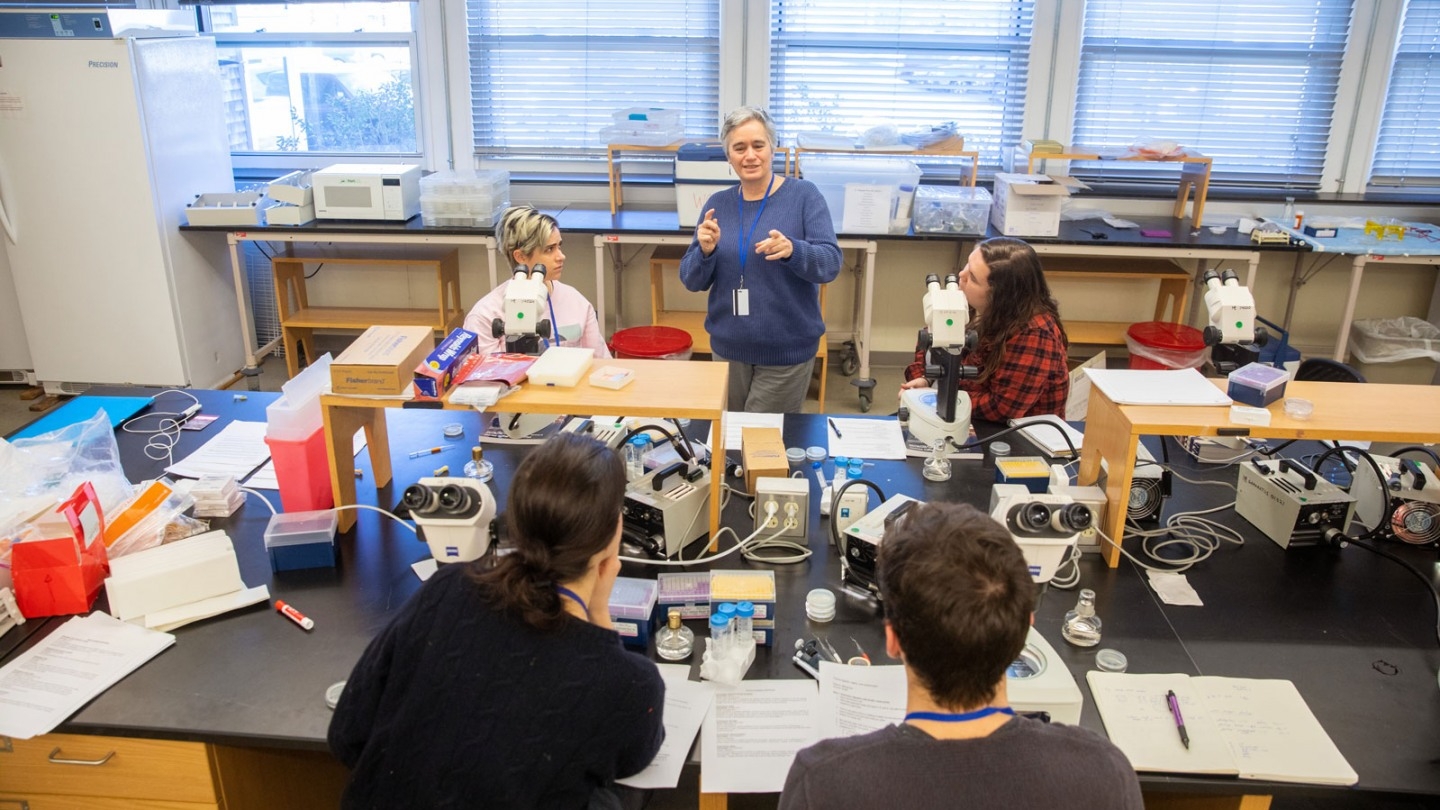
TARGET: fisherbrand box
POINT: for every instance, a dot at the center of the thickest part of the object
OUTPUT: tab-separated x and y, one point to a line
381	361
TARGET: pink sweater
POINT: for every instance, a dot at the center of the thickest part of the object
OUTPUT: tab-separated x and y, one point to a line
577	325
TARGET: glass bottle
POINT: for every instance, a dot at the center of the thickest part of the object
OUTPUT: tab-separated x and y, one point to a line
477	467
675	641
937	465
1082	626
1288	217
745	622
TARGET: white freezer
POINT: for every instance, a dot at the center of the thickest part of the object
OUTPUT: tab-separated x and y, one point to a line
102	143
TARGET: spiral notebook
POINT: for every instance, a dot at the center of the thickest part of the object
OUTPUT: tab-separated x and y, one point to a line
1250	728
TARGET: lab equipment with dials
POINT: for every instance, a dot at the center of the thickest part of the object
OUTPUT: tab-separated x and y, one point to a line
525	324
1290	504
942	413
662	510
455	516
1410	512
1232	335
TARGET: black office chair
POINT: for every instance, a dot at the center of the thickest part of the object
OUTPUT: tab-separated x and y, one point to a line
1323	369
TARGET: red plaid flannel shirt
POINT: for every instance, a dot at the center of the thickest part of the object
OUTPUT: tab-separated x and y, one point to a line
1032	378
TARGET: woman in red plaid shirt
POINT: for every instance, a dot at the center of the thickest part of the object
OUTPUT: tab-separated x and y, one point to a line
1021	349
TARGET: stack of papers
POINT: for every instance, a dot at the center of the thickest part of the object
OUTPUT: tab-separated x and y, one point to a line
53	679
1050	439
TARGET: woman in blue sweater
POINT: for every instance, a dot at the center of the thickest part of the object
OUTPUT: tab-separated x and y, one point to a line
763	249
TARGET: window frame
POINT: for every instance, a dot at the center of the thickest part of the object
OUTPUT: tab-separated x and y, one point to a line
425	132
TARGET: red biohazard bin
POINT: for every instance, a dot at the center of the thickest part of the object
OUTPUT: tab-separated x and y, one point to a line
651	343
1163	345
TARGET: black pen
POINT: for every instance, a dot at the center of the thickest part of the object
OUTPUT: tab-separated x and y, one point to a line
1179	721
838	435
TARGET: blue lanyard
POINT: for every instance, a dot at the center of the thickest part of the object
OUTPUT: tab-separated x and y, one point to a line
744	236
554	324
943	717
569	594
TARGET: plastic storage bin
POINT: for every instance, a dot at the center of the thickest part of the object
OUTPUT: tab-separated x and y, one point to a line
464	199
952	209
862	192
632	609
649	119
624	135
651	343
297	540
1257	384
1162	345
700	170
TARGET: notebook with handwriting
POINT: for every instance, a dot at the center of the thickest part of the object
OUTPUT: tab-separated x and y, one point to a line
1251	728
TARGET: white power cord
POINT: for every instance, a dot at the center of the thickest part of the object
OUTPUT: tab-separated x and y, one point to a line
161	444
356	506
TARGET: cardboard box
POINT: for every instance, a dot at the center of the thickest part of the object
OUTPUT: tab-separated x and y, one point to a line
762	453
381	361
435	373
1027	204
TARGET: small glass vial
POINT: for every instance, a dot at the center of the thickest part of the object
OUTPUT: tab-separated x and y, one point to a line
937	465
841	462
720	635
1082	626
477	467
675	641
745	622
1288	218
635	457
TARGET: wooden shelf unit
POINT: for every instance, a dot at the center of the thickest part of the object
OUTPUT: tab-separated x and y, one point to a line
299	320
954	147
1170	303
1194	173
666	261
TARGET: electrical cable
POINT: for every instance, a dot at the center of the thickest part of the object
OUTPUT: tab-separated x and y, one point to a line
161	444
265	500
1429	585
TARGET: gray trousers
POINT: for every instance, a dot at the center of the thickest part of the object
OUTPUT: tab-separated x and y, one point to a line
768	389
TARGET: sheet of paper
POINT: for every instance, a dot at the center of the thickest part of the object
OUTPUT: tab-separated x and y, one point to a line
1078	402
735	420
234	451
1173	588
1272	732
866	438
1184	386
1138	720
867	208
84	657
858	700
426	568
752	734
1052	440
686	704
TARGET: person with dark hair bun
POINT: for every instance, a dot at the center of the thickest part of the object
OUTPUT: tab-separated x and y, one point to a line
1022	347
502	683
958	601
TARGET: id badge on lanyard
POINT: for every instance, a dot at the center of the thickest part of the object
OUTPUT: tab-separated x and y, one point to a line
740	298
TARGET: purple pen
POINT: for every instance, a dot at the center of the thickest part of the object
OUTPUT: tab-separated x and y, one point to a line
1179	720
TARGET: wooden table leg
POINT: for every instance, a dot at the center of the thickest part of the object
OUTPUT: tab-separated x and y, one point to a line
341	422
1108	437
714	801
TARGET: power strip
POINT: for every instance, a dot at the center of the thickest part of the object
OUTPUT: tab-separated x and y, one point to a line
791	497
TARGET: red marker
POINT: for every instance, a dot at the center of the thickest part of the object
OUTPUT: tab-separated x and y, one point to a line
294	615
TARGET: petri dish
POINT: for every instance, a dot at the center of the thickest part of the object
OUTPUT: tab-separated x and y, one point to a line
1299	409
795	455
999	449
454	430
332	694
1108	660
816	453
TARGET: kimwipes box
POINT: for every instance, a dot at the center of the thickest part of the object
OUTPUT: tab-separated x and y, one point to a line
381	361
1027	204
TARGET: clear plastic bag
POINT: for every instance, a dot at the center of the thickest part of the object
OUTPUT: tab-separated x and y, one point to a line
40	471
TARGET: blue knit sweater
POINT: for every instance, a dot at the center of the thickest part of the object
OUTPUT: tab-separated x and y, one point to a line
785	322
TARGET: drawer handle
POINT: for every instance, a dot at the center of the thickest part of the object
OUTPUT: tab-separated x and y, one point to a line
62	761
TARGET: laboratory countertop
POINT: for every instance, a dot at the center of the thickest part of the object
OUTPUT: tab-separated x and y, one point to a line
1353	631
640	221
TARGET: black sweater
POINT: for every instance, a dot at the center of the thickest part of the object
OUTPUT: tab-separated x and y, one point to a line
458	704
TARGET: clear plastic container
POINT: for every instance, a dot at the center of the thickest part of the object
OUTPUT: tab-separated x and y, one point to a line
649	118
464	199
834	174
635	451
952	209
